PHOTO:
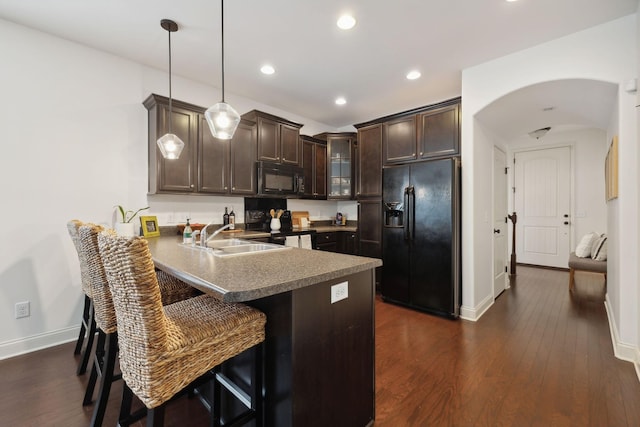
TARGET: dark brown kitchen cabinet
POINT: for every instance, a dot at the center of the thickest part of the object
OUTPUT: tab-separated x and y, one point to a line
424	133
179	175
327	241
243	159
278	138
314	165
340	163
439	132
370	228
399	140
227	166
347	242
369	182
207	165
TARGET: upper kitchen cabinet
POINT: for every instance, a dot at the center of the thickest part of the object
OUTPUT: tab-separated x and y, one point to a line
227	166
340	156
439	131
314	165
424	133
179	175
399	140
207	165
243	159
369	165
278	138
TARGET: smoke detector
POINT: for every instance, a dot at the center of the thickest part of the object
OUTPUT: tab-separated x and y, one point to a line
539	133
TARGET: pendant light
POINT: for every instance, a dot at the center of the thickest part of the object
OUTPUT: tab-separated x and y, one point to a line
170	145
223	120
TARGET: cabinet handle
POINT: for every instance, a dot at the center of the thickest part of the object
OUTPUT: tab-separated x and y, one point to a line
421	153
225	187
233	188
413	154
191	186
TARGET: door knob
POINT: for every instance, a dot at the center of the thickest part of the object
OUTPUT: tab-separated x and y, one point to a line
496	230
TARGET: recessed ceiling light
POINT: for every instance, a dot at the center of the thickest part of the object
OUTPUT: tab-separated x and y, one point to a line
341	101
346	22
412	75
511	1
267	69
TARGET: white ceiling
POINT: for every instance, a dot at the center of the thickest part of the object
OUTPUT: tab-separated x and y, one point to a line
315	61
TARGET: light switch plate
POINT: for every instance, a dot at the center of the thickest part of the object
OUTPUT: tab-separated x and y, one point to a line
339	292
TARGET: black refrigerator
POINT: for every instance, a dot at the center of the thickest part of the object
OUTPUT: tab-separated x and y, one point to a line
421	236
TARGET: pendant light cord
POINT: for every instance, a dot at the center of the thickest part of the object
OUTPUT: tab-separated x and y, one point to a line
222	30
170	97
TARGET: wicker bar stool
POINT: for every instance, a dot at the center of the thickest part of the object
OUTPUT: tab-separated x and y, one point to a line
87	324
164	350
171	290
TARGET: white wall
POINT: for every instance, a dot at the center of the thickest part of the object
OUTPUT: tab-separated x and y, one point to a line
606	52
74	131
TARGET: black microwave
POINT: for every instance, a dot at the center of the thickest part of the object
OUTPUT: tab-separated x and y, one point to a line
279	180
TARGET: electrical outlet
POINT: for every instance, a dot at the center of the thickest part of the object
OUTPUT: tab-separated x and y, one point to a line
339	292
23	309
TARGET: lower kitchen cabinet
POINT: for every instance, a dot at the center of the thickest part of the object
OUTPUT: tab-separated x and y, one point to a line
339	241
347	242
327	241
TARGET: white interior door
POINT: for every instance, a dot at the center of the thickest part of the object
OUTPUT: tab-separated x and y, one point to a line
499	224
543	202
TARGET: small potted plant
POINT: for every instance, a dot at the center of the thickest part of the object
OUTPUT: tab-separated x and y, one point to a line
124	226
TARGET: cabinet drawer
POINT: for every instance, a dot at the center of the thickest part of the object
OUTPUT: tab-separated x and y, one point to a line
326	237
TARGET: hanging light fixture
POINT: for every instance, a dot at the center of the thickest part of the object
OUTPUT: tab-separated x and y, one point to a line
170	145
223	120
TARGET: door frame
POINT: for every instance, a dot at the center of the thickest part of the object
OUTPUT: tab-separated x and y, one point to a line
511	154
507	282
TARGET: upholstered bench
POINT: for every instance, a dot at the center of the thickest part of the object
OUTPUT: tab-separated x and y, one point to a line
585	264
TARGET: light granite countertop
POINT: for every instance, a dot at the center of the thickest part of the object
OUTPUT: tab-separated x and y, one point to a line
252	276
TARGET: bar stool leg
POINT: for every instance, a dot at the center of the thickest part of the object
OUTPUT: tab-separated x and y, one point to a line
86	353
84	325
98	363
106	380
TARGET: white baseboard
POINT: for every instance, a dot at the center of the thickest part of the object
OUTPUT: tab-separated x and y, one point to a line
474	313
622	351
38	342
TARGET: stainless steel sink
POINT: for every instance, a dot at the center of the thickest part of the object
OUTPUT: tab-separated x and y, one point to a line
233	247
253	248
223	243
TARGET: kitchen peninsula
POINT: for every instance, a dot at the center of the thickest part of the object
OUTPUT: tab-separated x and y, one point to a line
319	347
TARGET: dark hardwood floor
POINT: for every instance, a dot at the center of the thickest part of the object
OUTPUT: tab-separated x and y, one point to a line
541	356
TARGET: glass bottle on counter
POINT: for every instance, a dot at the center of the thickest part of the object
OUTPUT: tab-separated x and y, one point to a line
187	234
232	219
225	217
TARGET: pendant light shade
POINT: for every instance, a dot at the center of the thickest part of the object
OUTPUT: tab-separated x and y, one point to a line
170	145
223	120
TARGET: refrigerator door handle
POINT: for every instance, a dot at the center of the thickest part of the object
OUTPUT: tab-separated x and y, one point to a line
406	214
412	213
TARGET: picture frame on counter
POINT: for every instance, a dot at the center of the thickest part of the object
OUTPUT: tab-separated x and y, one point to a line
149	226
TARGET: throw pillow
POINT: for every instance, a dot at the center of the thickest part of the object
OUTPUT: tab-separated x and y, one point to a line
600	253
583	250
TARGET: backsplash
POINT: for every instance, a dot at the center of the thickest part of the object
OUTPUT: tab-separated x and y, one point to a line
175	209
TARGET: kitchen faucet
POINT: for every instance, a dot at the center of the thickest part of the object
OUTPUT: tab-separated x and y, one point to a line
203	234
